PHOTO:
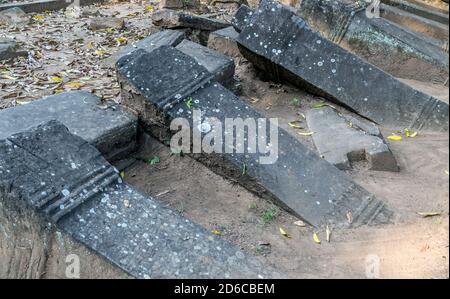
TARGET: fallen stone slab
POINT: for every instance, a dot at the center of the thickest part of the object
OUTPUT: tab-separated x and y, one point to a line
292	51
216	63
173	19
9	49
167	84
342	140
59	176
107	126
103	23
419	24
46	5
13	16
420	9
394	48
153	41
224	41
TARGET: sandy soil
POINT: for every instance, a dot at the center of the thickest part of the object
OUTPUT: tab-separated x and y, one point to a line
413	246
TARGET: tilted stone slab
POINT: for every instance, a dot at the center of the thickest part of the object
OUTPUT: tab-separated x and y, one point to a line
155	40
395	49
216	63
341	140
421	9
108	126
224	41
67	181
174	19
420	24
299	179
292	51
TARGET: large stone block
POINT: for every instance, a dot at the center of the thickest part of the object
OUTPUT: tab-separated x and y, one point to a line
66	181
173	19
342	140
395	49
281	43
112	130
216	63
167	84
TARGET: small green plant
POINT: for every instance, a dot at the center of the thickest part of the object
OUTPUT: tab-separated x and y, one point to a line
252	206
270	214
189	103
295	102
177	153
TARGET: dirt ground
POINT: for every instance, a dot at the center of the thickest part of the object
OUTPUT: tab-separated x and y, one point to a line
412	247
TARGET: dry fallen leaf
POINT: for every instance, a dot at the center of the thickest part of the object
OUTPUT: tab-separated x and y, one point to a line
74	85
216	232
294	124
428	214
316	238
395	137
300	223
328	234
305	133
284	233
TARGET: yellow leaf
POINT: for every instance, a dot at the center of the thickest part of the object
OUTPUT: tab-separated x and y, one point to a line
121	40
56	79
149	8
58	90
90	45
122	174
408	133
306	133
100	52
39	18
109	30
294	124
216	232
74	85
395	137
413	135
316	238
284	233
428	214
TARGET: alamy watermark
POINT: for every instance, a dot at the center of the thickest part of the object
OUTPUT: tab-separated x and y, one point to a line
233	136
72	266
373	9
372	264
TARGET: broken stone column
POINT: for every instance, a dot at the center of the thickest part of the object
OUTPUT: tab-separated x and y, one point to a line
391	47
290	50
64	181
342	139
167	84
107	126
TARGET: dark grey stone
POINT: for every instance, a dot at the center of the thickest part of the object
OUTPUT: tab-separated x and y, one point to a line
67	181
112	130
9	49
174	19
299	179
292	51
216	63
394	48
224	41
420	24
46	5
153	41
341	140
242	17
420	9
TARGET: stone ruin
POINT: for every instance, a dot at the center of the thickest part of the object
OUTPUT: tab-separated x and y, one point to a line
56	154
